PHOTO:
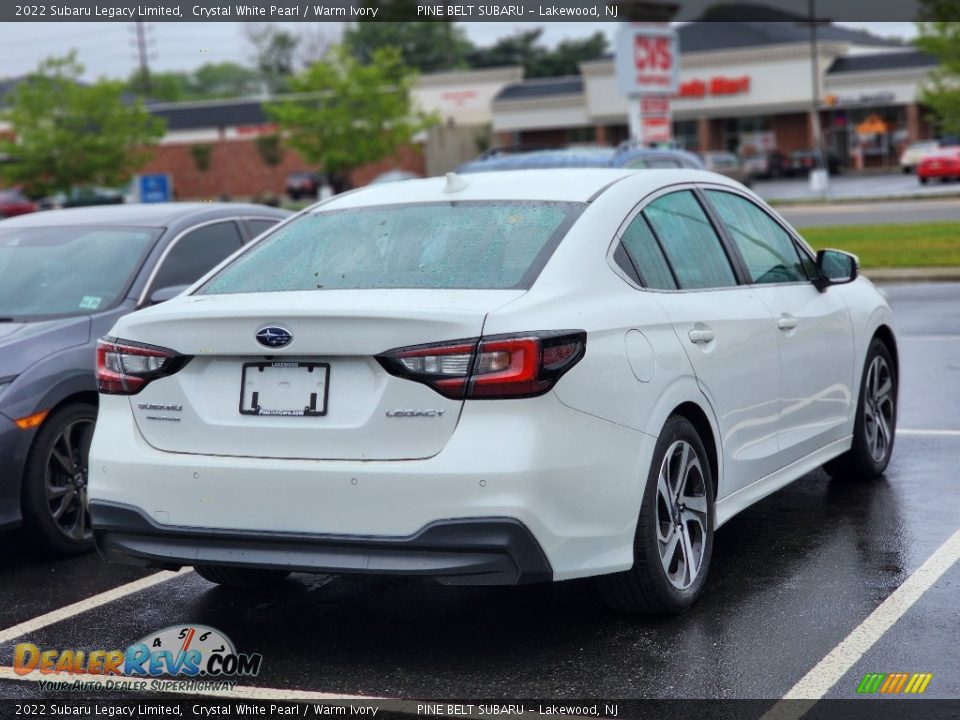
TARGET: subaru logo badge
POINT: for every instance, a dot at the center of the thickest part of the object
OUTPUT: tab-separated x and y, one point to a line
273	336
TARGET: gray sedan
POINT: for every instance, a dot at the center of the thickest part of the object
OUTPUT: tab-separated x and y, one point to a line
65	278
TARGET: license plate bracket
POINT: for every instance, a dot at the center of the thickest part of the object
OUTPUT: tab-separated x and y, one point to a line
284	389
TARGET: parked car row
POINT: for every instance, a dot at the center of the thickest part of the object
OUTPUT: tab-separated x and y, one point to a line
942	164
66	276
772	164
915	153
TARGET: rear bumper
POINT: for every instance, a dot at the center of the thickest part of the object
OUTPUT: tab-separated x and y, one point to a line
489	551
574	482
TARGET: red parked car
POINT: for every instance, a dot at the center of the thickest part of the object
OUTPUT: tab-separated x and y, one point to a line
13	202
943	164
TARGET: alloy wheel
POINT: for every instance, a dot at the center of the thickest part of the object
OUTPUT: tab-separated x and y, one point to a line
65	479
681	514
878	408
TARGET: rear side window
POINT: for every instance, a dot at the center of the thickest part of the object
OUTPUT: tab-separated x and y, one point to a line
196	252
767	249
692	246
484	245
647	257
255	226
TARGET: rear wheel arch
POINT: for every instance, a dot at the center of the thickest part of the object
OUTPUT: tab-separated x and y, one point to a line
701	422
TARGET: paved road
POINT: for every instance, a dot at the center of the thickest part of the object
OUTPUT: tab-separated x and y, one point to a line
855	186
904	211
792	577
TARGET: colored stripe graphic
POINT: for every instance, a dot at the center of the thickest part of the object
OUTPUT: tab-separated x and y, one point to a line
894	683
870	683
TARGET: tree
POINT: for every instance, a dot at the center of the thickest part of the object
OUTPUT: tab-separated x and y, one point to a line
566	57
270	149
223	80
524	48
66	133
201	153
941	38
348	113
425	46
274	53
165	86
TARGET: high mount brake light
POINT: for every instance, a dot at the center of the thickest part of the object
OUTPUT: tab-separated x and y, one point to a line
125	368
495	367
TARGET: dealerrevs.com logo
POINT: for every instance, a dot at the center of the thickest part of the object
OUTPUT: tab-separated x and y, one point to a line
894	683
191	652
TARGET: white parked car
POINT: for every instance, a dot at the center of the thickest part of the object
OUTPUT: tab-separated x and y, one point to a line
494	379
915	152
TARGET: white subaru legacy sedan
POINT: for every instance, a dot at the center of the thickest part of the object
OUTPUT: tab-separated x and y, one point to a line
506	378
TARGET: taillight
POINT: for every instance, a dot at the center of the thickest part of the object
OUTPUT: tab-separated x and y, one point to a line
125	368
494	367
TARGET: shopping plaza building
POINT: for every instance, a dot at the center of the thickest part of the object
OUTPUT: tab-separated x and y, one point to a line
745	87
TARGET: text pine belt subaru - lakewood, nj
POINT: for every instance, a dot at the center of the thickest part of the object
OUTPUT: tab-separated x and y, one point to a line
499	378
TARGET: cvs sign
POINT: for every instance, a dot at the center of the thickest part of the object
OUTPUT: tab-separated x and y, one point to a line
647	59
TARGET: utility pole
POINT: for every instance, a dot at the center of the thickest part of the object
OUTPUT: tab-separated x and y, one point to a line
142	53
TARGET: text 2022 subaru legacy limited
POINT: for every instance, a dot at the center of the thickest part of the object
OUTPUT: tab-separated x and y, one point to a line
493	379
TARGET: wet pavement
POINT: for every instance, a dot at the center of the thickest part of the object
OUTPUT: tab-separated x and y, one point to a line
791	578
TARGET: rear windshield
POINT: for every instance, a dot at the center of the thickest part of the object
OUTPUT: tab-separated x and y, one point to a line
484	245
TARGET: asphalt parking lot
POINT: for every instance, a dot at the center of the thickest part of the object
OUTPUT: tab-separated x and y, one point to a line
794	578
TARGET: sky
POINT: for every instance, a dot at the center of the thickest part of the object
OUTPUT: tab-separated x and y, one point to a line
106	49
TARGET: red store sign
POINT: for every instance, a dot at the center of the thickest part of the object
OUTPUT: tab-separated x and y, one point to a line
714	86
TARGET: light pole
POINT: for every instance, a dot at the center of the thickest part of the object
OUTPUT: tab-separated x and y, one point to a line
819	175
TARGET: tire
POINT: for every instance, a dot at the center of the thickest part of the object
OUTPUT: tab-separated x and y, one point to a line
923	181
234	577
659	583
875	426
54	493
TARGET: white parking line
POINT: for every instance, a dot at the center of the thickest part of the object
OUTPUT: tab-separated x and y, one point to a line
933	433
828	672
65	613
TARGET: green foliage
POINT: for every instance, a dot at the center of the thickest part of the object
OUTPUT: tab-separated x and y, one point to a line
425	46
350	113
201	154
941	39
223	80
270	149
209	81
165	86
930	244
524	48
68	134
274	54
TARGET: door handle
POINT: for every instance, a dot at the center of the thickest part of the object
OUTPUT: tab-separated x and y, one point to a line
787	322
700	336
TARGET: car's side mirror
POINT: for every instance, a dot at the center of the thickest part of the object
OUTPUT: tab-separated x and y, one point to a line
166	293
835	267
